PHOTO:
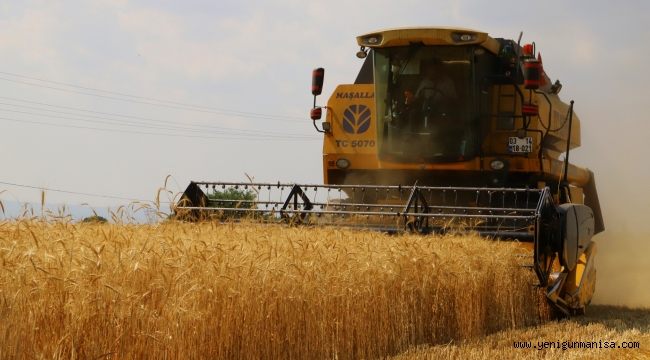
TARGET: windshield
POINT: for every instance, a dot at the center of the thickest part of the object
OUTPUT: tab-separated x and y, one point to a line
424	103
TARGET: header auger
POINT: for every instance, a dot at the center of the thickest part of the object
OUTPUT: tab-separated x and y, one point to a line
443	130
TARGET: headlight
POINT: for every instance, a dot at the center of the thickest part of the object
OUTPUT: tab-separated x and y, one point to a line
342	163
372	40
463	37
497	164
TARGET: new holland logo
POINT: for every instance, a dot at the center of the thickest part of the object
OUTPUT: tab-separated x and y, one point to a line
356	119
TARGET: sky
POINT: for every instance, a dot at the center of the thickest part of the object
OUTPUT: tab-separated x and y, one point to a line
112	97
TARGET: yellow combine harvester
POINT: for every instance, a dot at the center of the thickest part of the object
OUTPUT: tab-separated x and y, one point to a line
443	130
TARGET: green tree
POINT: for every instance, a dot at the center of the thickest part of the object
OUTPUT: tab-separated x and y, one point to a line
232	198
95	219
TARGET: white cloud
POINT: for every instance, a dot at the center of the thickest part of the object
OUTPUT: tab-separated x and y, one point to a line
31	37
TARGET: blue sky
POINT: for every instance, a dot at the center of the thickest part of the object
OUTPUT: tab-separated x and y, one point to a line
230	57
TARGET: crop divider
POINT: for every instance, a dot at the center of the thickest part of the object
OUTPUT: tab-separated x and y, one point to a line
416	204
296	216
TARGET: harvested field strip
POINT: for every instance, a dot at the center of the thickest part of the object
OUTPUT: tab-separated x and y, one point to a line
248	291
606	332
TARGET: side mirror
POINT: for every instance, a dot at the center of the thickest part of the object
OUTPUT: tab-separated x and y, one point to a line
316	112
317	77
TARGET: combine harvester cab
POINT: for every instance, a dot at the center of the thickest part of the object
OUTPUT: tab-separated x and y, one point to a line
443	130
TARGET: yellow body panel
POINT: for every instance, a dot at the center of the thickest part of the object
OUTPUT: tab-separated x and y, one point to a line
556	113
351	113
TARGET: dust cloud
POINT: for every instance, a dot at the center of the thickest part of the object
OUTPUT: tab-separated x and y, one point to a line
616	152
622	266
623	259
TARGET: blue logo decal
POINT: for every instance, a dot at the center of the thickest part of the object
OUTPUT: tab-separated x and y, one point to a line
356	119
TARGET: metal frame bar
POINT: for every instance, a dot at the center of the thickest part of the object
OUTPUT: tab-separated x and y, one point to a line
251	186
365	213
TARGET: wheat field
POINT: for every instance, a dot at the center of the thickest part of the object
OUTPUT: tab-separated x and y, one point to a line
177	290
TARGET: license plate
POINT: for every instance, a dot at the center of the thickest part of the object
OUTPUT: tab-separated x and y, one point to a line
520	145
